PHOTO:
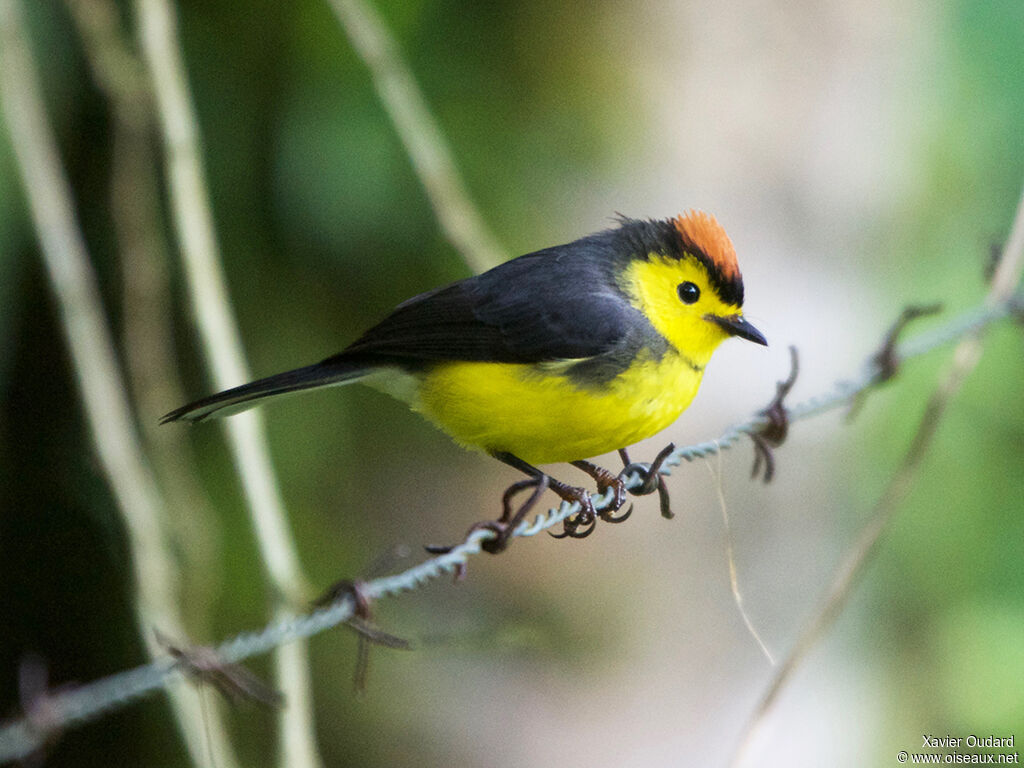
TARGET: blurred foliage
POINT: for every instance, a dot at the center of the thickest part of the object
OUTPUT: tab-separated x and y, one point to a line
324	227
951	582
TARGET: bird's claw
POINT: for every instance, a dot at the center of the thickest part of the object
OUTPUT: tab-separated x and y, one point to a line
609	517
774	432
605	481
582	523
576	527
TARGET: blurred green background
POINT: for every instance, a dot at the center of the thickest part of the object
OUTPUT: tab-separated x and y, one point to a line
863	155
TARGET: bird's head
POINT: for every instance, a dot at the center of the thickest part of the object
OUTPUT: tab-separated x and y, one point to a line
683	276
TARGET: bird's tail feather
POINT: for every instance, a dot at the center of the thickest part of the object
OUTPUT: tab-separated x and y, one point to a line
246	396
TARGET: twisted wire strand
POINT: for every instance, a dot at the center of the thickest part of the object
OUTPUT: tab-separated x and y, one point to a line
55	712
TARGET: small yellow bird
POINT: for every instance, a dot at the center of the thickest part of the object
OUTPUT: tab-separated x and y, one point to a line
555	356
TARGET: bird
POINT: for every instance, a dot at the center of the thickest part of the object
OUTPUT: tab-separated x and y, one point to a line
556	356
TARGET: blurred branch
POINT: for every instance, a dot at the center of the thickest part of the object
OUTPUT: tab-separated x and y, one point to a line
96	369
90	701
147	325
419	132
225	358
965	358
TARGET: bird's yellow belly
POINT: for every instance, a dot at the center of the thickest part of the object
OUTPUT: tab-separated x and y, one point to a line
543	417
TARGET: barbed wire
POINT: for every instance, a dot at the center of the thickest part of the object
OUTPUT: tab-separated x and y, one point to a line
52	713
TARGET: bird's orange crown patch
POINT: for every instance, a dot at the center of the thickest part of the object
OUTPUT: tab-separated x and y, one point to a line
699	230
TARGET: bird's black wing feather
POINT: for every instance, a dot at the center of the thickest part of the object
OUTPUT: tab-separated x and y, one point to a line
560	303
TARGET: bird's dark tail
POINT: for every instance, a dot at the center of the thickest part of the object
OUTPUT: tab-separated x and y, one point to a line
246	396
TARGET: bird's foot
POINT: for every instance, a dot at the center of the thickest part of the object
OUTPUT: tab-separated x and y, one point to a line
773	434
581	524
606	480
651	479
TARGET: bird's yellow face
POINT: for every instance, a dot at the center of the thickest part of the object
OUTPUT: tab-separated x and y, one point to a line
679	299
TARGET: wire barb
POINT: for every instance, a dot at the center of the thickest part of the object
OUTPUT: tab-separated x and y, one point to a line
504	527
886	360
651	479
361	621
885	363
37	702
233	681
774	431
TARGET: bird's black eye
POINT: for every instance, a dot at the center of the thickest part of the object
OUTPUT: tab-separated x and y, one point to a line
688	292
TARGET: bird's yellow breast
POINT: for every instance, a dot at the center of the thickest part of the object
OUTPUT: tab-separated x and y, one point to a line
541	416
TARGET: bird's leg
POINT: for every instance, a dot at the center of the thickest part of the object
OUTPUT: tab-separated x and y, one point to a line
606	480
773	434
509	520
504	525
580	525
653	480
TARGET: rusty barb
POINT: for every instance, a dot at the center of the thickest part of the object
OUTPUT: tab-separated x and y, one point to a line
885	359
38	703
503	527
233	681
885	363
651	480
773	433
361	622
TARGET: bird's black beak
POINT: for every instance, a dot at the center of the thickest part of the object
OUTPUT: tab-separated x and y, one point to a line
735	325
